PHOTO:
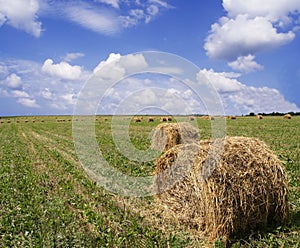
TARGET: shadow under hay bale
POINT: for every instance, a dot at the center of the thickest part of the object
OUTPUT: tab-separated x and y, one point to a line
167	135
246	191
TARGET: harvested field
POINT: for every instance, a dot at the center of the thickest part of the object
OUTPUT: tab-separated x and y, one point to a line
47	199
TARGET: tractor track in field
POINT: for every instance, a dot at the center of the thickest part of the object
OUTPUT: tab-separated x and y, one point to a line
50	143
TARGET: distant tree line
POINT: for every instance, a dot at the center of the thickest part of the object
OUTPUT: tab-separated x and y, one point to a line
273	113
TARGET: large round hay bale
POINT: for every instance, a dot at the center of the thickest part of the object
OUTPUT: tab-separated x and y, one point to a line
167	135
245	192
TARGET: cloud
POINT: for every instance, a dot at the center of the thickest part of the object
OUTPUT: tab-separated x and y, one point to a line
143	12
239	98
109	68
245	64
251	27
55	94
38	88
69	98
152	10
273	10
3	70
113	3
96	15
96	19
13	81
62	70
161	3
72	56
232	38
47	94
137	14
116	66
28	102
220	81
19	93
21	14
263	99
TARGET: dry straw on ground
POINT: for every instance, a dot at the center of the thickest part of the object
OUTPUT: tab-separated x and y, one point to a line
246	191
167	135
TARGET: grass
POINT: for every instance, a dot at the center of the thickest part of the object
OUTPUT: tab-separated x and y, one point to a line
47	200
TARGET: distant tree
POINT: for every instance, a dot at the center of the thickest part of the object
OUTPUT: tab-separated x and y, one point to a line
251	114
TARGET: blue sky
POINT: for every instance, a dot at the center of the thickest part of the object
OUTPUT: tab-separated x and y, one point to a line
248	50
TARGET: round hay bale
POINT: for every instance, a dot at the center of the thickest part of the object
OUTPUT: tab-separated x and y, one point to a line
167	135
259	117
245	192
137	119
151	119
287	116
208	117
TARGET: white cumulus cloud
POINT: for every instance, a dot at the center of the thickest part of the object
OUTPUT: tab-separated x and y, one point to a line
251	27
20	93
13	81
245	64
62	70
232	38
21	14
220	81
47	94
273	10
116	66
28	102
239	98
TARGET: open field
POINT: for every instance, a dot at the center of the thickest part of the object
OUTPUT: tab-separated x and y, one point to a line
47	200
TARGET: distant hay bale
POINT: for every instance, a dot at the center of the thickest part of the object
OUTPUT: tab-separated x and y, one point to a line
169	118
259	117
231	117
247	190
163	119
151	119
137	119
287	116
167	135
208	117
192	118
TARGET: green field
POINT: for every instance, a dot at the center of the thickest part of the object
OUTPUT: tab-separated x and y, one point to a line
47	200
